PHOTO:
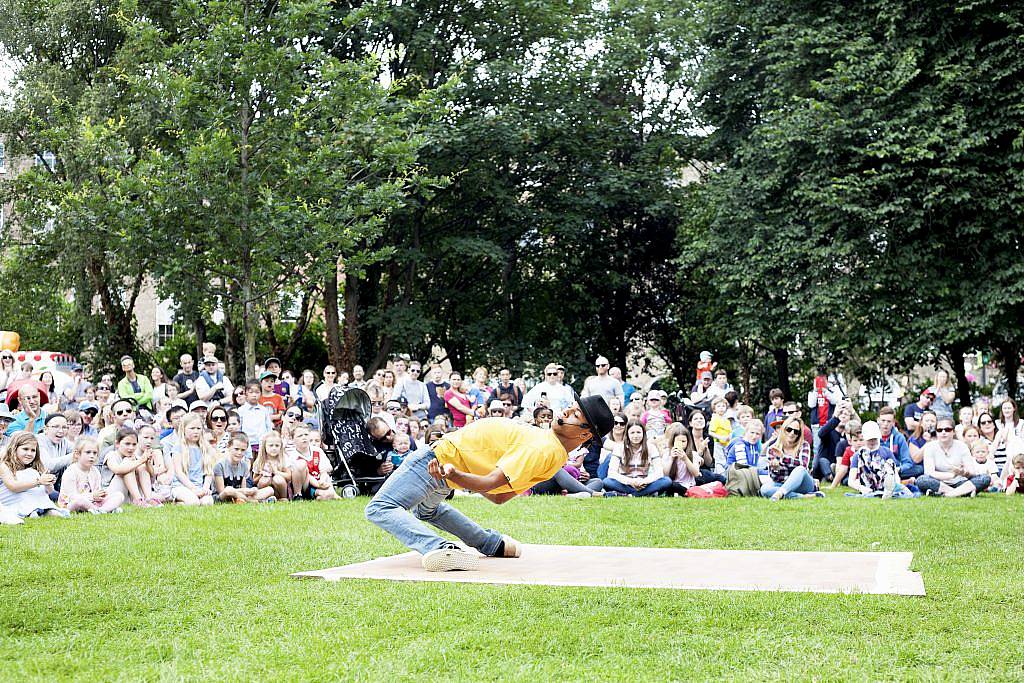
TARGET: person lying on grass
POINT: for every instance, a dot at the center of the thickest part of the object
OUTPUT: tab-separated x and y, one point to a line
496	457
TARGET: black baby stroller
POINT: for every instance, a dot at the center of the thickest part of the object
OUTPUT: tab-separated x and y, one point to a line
345	439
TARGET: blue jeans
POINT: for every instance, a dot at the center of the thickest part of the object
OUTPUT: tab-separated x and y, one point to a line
798	482
410	496
914	469
981	482
655	487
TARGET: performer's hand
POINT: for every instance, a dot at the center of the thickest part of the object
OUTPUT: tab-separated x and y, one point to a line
439	471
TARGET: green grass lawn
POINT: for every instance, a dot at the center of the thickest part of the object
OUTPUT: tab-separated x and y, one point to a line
204	594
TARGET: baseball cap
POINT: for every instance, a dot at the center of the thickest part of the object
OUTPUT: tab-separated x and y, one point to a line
6	414
86	406
495	405
600	360
930	391
210	359
272	359
870	430
267	373
706	375
197	405
76	367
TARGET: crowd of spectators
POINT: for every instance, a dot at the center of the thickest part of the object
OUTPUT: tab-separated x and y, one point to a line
196	438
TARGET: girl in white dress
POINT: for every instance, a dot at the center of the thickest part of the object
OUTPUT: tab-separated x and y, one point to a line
25	485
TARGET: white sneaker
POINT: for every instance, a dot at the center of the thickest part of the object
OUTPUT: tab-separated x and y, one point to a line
512	548
580	494
450	559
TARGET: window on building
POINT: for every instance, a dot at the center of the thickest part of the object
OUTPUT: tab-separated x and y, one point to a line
164	334
49	159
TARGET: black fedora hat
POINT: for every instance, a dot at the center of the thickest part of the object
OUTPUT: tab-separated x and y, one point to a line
598	414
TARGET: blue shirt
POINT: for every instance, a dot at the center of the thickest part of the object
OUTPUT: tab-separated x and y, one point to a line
897	444
21	423
743	453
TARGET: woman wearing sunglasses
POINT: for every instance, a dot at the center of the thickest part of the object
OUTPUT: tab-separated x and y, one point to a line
789	457
949	465
217	425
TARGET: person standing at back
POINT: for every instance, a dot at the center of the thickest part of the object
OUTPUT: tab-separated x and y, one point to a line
603	384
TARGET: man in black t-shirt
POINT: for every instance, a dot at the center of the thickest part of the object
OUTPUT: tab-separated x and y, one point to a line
186	379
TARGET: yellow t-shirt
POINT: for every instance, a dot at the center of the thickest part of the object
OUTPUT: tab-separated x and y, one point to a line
527	455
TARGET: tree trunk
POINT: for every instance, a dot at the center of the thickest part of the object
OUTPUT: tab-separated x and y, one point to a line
746	363
350	352
332	322
1011	366
249	327
956	360
781	357
231	347
199	326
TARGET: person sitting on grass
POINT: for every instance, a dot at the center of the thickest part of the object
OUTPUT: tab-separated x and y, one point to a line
311	470
269	469
125	469
232	475
829	435
922	434
746	451
193	464
893	439
853	442
81	486
789	457
1015	478
947	464
638	470
983	463
158	466
874	470
25	485
683	462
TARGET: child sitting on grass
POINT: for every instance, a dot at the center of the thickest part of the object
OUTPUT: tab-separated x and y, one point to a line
232	480
269	469
81	487
983	463
128	469
193	464
311	474
1015	479
25	485
156	464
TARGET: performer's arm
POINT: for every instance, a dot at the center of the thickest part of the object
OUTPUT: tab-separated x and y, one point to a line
471	482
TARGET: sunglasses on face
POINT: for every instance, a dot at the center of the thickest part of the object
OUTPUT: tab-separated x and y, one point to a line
986	422
601	365
497	412
620	424
123	412
551	374
793	430
944	429
294	416
219	418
